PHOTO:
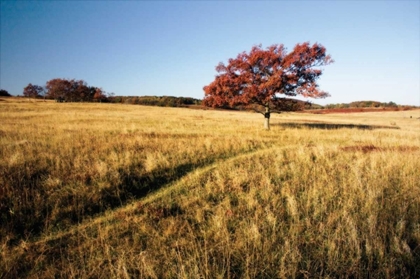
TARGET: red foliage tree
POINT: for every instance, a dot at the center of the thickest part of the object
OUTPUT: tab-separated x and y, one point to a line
99	95
70	90
59	89
80	91
33	91
262	76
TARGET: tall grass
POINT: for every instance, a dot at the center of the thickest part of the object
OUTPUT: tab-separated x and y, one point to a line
107	190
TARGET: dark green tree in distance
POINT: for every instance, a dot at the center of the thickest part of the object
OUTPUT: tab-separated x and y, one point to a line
4	93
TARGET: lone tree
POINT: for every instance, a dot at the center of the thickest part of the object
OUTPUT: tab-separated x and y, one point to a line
267	77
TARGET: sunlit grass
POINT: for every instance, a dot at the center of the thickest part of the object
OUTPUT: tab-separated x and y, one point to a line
109	190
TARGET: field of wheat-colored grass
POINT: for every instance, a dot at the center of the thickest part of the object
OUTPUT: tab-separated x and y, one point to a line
123	191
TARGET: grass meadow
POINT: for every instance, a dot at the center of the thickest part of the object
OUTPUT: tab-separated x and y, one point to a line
123	191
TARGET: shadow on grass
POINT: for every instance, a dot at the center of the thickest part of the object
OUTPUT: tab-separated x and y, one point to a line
131	187
138	186
72	207
333	126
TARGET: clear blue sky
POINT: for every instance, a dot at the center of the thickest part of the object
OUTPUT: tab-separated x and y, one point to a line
172	48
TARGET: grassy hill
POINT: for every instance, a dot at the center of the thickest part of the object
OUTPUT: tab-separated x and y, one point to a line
118	191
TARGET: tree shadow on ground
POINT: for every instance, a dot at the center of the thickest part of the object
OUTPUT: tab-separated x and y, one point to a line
333	126
134	187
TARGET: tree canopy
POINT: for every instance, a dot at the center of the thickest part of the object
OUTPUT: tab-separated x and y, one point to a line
33	91
267	77
73	91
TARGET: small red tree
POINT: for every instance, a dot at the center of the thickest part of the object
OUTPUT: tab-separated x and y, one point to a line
99	95
262	76
32	91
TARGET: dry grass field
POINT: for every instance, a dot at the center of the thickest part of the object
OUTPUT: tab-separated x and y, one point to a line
123	191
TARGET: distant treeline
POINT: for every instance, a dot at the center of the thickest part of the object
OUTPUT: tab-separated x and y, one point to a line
362	104
161	101
65	90
72	90
170	101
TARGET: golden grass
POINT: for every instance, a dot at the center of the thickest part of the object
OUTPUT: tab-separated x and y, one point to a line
122	191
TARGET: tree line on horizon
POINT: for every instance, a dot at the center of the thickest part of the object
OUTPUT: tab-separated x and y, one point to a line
362	104
72	90
34	91
161	101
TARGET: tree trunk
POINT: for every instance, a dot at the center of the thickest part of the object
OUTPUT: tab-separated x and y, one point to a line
267	118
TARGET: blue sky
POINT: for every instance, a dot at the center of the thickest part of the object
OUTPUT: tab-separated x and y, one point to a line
159	48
